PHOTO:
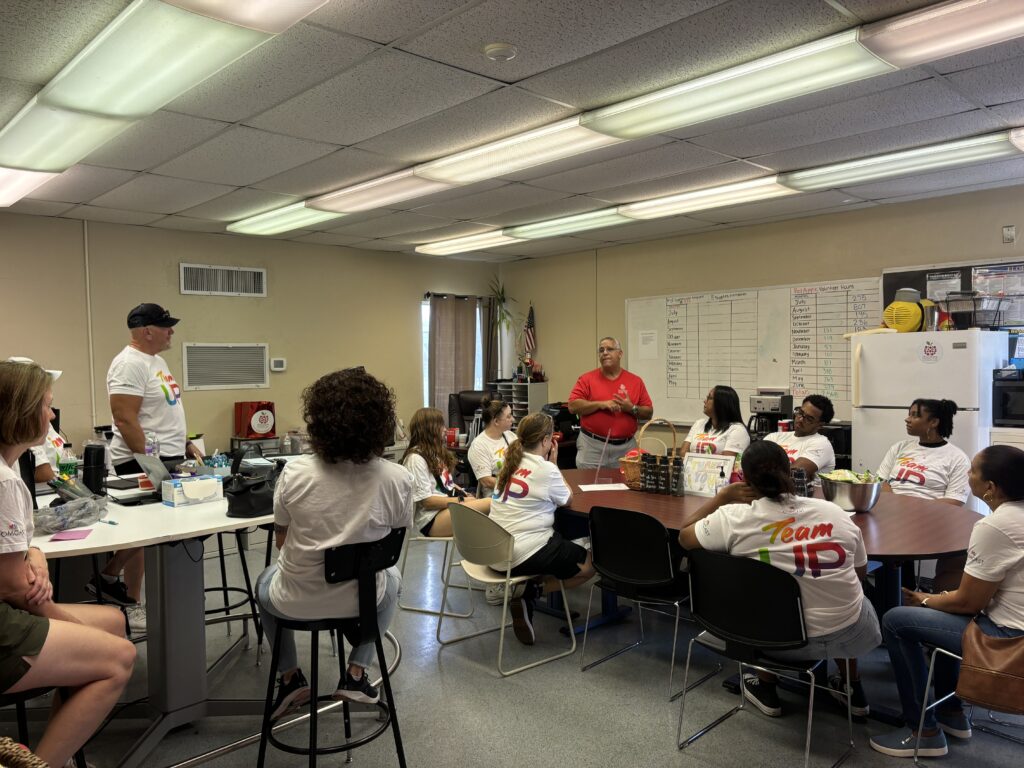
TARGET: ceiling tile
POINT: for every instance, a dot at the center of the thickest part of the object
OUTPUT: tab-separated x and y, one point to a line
13	96
995	83
480	256
384	245
873	10
782	206
382	20
645	230
284	66
239	204
39	207
487	118
461	229
851	206
683	182
385	91
397	223
38	37
1011	182
546	33
1007	170
189	224
506	198
111	215
666	160
622	149
241	156
455	193
724	36
979	57
898	106
81	183
154	140
932	131
328	238
545	211
339	169
1012	113
160	194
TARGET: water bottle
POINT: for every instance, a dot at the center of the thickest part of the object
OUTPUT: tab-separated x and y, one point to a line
286	444
152	444
94	468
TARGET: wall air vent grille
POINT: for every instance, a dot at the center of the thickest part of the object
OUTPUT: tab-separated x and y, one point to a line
211	280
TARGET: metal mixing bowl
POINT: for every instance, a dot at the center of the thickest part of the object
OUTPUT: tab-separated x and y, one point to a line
853	497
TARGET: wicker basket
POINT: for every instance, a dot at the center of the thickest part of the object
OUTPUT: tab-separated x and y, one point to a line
630	467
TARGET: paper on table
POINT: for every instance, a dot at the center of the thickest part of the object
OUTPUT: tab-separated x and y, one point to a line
605	487
72	535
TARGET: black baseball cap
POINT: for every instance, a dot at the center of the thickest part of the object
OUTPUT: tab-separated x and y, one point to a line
151	314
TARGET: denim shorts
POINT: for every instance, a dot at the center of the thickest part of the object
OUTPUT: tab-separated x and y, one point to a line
850	642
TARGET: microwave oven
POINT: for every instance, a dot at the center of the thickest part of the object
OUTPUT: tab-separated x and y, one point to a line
1008	403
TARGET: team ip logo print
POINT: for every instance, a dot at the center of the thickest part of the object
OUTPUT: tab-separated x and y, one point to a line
806	557
517	487
931	351
170	388
704	444
909	471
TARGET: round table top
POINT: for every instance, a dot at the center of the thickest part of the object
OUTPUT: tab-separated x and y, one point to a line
900	527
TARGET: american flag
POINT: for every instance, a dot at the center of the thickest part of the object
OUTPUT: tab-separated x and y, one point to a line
530	332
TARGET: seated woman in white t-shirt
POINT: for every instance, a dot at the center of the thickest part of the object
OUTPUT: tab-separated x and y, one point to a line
723	430
530	487
344	493
806	447
761	519
431	464
487	451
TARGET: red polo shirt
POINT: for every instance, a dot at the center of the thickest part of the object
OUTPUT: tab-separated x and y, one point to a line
593	385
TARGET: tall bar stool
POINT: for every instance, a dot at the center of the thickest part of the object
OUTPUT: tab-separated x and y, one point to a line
344	563
247	597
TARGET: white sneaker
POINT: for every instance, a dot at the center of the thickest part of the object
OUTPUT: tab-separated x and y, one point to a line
495	594
136	618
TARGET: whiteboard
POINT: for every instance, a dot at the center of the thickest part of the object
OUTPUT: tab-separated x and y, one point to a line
780	336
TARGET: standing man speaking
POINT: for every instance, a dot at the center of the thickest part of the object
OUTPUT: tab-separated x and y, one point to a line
609	401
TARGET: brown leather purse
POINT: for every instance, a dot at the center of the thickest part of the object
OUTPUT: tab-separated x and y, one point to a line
992	671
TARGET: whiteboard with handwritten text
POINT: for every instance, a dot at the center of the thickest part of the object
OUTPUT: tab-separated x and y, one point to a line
782	336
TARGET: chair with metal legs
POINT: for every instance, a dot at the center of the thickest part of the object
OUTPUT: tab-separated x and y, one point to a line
486	550
18	700
444	572
747	609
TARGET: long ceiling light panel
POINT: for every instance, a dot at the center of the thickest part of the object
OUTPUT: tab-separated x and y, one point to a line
705	199
150	54
566	225
294	216
15	184
465	244
376	193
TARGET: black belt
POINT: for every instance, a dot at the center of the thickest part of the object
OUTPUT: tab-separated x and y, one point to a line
611	440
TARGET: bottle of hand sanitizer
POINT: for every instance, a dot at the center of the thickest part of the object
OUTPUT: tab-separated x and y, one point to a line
722	480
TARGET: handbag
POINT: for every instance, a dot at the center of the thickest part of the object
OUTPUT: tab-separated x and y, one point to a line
992	671
251	495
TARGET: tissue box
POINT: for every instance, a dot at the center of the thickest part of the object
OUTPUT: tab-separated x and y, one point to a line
183	491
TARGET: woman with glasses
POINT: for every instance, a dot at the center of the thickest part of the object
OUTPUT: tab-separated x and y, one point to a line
723	431
431	464
487	450
807	449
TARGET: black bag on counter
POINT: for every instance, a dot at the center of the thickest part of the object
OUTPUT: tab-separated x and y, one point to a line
251	495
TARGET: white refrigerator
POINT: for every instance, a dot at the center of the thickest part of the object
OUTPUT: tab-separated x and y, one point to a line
890	370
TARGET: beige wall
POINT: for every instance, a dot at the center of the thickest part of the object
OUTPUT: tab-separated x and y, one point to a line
579	297
327	308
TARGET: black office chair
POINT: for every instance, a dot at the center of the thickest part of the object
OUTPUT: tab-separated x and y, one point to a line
463	405
344	563
748	609
632	554
19	700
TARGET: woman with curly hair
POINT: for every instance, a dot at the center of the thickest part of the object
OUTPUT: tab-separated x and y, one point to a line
431	464
344	493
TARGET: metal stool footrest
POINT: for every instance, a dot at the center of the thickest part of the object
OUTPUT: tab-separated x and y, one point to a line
384	722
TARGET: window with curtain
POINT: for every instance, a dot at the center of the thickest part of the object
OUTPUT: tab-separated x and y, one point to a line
459	346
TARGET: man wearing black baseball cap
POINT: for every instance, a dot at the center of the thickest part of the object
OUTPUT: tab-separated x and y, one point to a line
145	402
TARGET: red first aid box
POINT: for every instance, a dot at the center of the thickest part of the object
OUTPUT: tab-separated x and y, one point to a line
254	419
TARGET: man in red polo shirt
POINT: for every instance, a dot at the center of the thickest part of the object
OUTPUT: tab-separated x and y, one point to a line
609	401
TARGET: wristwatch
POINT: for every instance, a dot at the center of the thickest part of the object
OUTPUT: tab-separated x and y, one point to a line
636	410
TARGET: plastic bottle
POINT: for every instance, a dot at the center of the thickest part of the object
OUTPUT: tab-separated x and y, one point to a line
722	479
286	443
737	470
152	444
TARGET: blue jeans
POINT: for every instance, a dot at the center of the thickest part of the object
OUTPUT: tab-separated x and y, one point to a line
906	630
362	655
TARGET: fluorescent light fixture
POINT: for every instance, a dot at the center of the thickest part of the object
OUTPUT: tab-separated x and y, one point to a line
375	193
524	150
805	69
273	16
44	138
703	199
147	56
952	154
294	216
471	243
16	184
943	30
608	217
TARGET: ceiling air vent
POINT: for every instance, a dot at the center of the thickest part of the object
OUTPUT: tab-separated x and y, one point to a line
225	366
211	280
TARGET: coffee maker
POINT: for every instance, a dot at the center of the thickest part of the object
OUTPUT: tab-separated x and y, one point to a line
767	408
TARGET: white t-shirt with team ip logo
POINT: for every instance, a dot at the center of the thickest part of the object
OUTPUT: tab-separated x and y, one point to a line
814	448
16	523
812	539
703	439
49	451
486	454
147	376
526	506
938	472
426	485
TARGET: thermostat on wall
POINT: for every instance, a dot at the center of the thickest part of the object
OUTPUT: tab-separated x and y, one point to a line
278	364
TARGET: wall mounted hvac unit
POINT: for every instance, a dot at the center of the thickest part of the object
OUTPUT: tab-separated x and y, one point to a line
211	280
225	366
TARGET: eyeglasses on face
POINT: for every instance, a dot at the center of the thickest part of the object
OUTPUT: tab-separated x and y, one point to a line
800	413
